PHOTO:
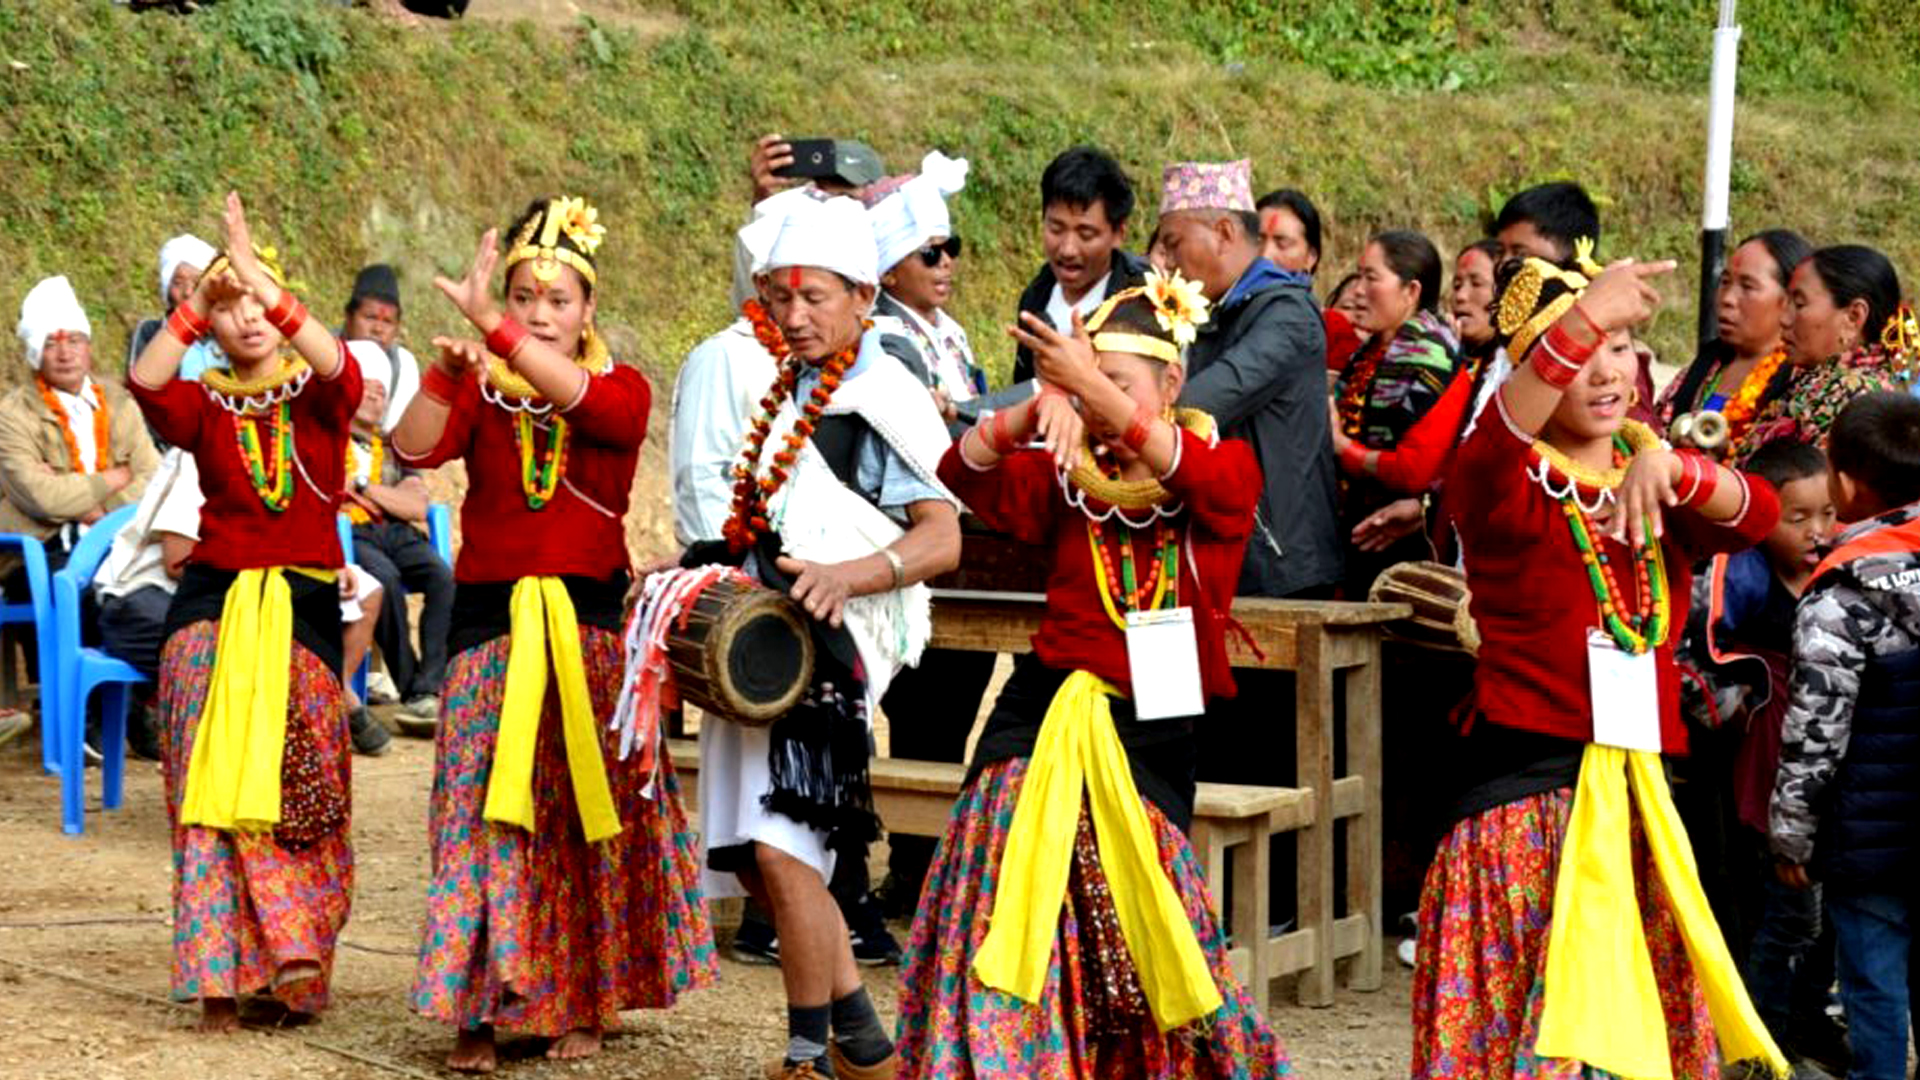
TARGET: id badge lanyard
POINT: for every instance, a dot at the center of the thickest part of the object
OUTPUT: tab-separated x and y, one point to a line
1163	652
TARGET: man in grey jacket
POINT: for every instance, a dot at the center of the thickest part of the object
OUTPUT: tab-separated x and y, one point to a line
1259	366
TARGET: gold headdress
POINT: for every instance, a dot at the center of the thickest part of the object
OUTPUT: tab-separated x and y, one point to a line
539	240
1179	306
269	260
1521	318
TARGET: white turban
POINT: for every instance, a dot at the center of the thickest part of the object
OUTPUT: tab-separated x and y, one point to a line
917	212
750	248
374	365
51	307
183	250
825	234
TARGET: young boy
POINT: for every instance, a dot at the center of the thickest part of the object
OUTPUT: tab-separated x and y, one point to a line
1846	805
1743	646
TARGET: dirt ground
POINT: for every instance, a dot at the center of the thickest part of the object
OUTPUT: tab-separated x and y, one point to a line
85	937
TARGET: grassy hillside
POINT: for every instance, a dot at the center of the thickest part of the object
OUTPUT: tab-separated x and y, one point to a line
356	140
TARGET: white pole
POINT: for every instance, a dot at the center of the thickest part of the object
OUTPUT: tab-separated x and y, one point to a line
1713	209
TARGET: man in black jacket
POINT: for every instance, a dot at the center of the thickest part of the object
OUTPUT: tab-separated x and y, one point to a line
1085	201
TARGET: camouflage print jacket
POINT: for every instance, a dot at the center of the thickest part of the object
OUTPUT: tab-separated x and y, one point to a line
1855	612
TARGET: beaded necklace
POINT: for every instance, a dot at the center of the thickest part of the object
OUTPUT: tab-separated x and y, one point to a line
540	472
751	493
1121	592
1645	627
240	397
275	487
101	427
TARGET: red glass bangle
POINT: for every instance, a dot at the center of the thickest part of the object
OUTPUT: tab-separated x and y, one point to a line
439	384
1000	438
1705	477
1138	429
181	325
288	315
1353	457
506	339
1558	358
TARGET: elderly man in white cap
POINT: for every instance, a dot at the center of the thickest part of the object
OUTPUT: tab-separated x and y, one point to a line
387	502
72	447
850	526
182	260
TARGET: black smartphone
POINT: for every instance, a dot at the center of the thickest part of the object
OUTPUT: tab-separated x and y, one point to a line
812	159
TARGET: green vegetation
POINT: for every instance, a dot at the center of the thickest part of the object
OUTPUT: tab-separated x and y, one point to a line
355	140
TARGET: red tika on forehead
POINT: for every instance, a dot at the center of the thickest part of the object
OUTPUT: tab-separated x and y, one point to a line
793	277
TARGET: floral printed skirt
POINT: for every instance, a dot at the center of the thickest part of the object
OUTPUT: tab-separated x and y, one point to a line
1479	979
955	1028
246	906
541	932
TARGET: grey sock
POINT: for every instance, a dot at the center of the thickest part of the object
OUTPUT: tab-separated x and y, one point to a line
857	1028
807	1037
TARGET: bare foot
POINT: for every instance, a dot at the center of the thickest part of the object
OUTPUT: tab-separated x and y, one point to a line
218	1016
575	1044
473	1051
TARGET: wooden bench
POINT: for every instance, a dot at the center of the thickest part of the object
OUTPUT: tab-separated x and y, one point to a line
916	798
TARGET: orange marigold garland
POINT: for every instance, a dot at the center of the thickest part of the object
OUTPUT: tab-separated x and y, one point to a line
1355	387
102	424
750	492
1745	402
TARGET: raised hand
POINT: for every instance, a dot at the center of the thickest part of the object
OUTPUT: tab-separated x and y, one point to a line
240	255
1622	297
769	153
1644	495
473	293
1060	427
1064	360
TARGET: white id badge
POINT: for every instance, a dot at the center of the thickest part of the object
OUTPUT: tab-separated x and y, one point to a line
1626	695
1163	660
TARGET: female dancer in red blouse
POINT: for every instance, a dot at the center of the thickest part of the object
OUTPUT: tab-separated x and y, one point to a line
1578	529
1034	951
565	886
256	748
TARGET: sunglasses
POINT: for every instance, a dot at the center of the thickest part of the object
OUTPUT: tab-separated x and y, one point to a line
932	252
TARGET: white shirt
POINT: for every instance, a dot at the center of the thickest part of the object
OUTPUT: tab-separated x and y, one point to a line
715	398
1060	313
171	504
79	408
944	345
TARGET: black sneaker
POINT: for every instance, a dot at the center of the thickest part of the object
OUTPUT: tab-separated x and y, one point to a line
755	943
370	736
143	738
1823	1042
873	943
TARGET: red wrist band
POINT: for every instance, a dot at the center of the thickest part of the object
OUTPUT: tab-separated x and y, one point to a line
287	315
995	436
185	328
1353	457
439	384
1558	358
1138	429
1598	333
1703	477
506	339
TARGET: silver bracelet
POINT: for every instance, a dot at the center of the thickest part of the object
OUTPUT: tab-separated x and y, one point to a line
899	567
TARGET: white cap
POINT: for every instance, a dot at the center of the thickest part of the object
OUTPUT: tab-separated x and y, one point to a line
822	233
183	250
50	307
750	248
917	211
374	365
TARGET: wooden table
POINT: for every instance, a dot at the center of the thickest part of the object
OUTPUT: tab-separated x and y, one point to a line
1317	640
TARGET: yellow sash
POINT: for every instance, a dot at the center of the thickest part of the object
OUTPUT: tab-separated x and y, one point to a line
233	778
1079	750
1602	1005
542	616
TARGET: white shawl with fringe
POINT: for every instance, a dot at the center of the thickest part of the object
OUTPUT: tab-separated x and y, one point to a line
819	519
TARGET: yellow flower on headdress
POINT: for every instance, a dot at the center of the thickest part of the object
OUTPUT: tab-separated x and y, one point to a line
582	225
1902	334
1179	305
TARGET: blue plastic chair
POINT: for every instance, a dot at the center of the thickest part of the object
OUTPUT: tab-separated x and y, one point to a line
81	670
37	611
439	534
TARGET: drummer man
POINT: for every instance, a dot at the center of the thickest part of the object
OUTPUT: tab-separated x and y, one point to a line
849	527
